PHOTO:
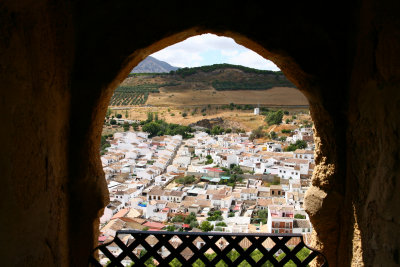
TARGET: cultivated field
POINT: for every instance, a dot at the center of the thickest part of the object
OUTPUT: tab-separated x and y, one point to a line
277	96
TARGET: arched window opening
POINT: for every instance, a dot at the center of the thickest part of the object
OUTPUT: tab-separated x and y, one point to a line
188	135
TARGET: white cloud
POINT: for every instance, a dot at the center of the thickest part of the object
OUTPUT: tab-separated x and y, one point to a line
198	50
179	57
251	59
229	53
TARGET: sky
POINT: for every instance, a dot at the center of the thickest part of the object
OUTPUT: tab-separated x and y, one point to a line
208	49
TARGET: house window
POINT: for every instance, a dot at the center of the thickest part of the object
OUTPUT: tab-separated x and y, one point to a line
279	192
287	225
276	225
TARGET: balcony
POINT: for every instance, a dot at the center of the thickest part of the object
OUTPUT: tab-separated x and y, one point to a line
150	248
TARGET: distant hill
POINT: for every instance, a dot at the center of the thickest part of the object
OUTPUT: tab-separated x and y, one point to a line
215	84
153	65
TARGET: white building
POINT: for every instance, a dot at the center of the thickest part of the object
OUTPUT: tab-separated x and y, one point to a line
304	154
273	147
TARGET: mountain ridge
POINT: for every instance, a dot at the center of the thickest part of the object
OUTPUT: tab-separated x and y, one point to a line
153	65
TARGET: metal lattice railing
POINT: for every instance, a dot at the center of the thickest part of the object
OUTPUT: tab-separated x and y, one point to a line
160	248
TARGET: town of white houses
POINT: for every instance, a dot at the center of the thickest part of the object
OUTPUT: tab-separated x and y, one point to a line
221	183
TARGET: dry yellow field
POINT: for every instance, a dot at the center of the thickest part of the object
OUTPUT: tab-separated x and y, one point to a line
277	96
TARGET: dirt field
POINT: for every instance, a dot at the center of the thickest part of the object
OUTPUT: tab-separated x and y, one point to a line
275	96
244	119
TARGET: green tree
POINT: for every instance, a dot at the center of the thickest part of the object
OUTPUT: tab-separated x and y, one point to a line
215	215
209	160
184	114
299	216
257	133
186	180
119	116
190	218
300	144
149	117
262	216
170	228
126	126
274	117
221	224
194	224
104	144
135	126
126	114
178	218
113	122
262	213
190	179
206	226
152	128
273	135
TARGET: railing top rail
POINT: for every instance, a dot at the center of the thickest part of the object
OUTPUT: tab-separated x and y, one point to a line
121	232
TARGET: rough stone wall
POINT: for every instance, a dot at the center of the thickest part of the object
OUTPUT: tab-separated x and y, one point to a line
35	67
373	174
60	62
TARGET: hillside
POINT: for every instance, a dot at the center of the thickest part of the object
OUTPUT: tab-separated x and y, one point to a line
153	65
215	84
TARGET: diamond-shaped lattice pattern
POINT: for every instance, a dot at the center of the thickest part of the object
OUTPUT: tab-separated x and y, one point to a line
143	248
